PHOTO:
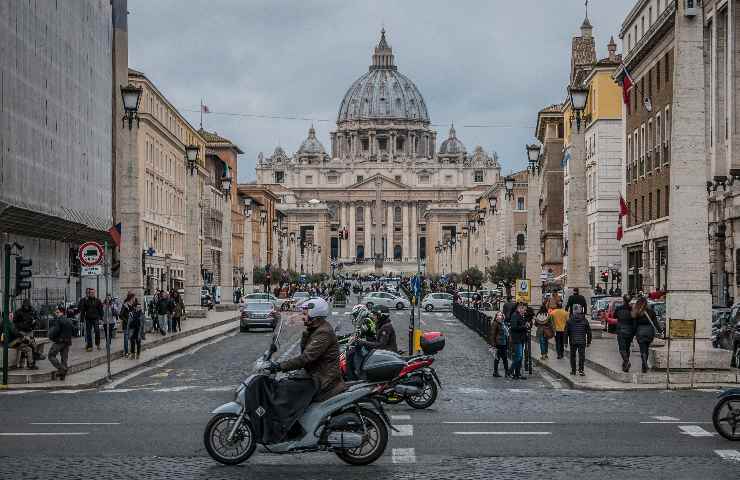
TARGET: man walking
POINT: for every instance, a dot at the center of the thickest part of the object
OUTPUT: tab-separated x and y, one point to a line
91	313
579	337
560	319
518	329
61	336
163	310
576	299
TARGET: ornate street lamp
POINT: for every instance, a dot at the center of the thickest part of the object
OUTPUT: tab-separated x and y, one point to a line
247	202
493	201
481	215
263	216
533	154
509	185
191	157
274	225
131	96
578	99
226	184
292	237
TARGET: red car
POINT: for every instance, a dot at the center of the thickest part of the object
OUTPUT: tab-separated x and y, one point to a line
608	317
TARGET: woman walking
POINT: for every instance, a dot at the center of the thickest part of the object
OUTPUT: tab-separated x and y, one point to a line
626	327
135	326
500	341
646	328
545	330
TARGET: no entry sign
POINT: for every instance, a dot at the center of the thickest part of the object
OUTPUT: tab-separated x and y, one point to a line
91	254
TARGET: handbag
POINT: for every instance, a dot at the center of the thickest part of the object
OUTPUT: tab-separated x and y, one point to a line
548	331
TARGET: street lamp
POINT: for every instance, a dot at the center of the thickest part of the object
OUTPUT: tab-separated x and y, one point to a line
226	184
131	96
481	215
263	216
493	201
191	157
533	154
292	237
578	99
509	185
247	202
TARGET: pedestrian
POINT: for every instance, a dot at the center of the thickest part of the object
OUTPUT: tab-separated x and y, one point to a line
579	337
178	312
508	308
109	318
626	329
576	299
560	319
91	314
124	315
545	330
163	309
646	328
499	340
61	336
518	328
21	337
135	327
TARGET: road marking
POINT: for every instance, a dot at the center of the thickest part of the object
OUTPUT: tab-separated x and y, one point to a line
665	419
18	392
122	390
498	423
61	392
404	455
175	389
403	431
220	389
335	313
551	380
40	434
75	423
468	391
672	423
400	417
502	433
726	455
520	390
695	431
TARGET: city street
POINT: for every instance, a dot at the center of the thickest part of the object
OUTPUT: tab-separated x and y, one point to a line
150	424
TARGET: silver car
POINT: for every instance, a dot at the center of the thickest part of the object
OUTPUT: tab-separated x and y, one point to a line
437	301
278	302
384	298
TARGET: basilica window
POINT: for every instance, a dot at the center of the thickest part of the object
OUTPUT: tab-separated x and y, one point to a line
521	242
365	144
397	178
360	178
397	214
279	177
383	144
424	179
520	203
309	179
478	176
333	179
360	215
399	144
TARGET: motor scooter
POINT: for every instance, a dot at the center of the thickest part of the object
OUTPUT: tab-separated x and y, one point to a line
726	414
352	424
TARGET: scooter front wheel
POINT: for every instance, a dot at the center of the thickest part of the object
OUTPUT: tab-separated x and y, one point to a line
426	397
229	452
373	446
726	418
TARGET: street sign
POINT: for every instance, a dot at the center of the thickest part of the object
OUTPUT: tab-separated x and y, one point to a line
91	254
91	271
523	293
681	328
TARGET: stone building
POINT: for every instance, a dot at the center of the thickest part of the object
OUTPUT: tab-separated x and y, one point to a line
56	123
389	194
505	224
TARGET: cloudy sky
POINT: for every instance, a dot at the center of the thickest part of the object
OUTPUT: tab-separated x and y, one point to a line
476	62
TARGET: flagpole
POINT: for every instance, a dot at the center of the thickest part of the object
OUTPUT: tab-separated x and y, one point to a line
201	113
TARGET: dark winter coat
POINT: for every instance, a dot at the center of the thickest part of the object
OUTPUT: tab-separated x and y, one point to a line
576	299
508	309
91	309
626	325
23	320
647	326
320	358
62	331
518	328
497	337
385	337
578	330
164	306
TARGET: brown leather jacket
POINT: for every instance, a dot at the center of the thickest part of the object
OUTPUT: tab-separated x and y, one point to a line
320	358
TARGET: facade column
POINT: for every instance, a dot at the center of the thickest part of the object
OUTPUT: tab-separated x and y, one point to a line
414	243
193	261
248	258
129	214
389	232
227	274
368	230
263	260
405	232
577	260
343	252
351	241
534	264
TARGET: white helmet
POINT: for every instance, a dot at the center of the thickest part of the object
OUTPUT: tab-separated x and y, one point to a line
317	307
359	309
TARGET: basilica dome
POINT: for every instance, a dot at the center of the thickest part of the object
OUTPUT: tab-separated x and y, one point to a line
311	145
452	145
383	93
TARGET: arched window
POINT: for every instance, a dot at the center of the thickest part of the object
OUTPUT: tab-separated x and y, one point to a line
397	252
360	215
520	242
397	214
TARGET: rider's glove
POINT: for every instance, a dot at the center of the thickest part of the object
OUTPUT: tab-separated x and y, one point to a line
273	367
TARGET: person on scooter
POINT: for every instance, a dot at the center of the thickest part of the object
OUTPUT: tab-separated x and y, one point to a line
386	335
319	352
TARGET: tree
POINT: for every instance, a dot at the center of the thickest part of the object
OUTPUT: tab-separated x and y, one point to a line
473	276
505	272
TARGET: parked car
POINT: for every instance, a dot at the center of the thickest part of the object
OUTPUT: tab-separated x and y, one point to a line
659	309
384	298
608	317
278	302
298	298
258	314
437	301
600	306
465	296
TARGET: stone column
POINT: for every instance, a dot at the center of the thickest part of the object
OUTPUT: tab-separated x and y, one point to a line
227	275
688	253
193	260
128	173
263	260
414	240
368	230
577	260
405	232
389	232
248	260
534	265
342	223
351	242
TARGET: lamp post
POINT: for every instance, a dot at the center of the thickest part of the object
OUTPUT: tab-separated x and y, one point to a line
131	96
533	155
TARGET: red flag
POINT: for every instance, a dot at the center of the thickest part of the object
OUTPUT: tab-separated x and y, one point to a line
620	231
204	109
627	84
623	212
115	234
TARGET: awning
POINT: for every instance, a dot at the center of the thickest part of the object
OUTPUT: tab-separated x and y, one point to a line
72	226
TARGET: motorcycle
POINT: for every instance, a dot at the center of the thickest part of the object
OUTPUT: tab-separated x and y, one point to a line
351	424
417	383
726	415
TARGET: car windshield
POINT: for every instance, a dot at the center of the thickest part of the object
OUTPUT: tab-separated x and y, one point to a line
300	294
259	306
659	308
257	295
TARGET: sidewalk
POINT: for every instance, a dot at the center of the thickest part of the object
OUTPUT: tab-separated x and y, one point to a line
604	370
88	369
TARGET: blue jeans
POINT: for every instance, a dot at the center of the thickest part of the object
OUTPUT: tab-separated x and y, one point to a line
544	346
125	341
517	357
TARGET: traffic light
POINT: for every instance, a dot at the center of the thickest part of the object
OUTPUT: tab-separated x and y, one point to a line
605	276
22	274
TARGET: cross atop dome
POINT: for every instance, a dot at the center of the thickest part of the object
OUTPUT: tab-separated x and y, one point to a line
383	55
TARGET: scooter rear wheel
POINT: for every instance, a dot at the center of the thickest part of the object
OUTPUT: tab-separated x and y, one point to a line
426	397
373	446
726	418
241	446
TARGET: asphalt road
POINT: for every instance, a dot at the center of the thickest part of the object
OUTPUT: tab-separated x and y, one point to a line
150	424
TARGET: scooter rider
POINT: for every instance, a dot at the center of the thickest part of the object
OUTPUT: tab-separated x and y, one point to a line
363	321
386	336
319	352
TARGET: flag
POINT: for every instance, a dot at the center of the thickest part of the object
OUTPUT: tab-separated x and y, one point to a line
204	108
623	212
566	159
627	84
115	234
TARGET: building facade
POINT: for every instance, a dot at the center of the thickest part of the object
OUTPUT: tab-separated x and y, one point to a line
383	181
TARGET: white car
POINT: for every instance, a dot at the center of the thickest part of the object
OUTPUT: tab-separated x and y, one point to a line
466	297
437	301
278	302
299	297
384	298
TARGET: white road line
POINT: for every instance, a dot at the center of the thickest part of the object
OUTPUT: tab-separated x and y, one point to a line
520	390
672	422
40	434
498	423
220	389
62	392
468	391
176	389
695	431
17	392
404	455
400	417
665	419
551	380
403	431
502	433
727	455
75	423
122	390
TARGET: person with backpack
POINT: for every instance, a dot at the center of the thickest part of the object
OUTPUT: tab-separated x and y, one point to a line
135	327
499	340
647	328
178	311
579	337
91	313
60	335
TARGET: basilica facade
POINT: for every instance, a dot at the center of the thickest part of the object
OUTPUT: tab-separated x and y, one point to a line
383	196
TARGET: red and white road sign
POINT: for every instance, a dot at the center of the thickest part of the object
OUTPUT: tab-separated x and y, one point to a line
91	254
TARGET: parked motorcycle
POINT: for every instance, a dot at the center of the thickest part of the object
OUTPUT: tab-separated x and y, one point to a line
726	415
351	424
